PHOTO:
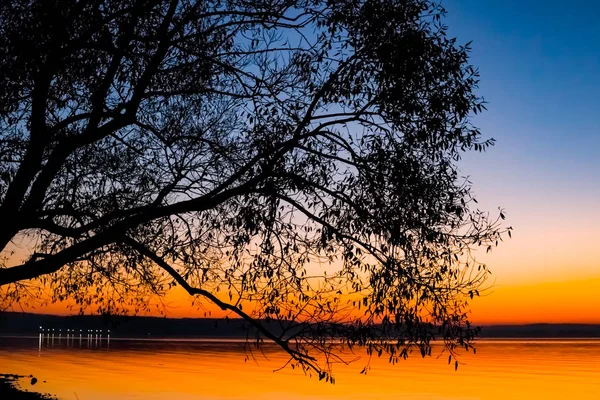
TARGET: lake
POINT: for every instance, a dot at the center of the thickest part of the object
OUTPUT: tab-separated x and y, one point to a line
215	369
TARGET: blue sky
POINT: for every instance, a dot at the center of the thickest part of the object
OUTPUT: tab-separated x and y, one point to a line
540	67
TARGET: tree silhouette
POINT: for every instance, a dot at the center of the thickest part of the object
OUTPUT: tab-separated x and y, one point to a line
291	161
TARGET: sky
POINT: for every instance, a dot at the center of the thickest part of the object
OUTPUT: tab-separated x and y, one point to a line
540	74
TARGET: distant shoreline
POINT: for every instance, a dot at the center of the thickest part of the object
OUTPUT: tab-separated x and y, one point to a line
242	340
19	324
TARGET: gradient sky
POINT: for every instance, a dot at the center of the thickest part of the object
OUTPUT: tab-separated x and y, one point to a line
540	73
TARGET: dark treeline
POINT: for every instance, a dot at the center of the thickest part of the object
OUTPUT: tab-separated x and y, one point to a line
123	326
127	326
541	331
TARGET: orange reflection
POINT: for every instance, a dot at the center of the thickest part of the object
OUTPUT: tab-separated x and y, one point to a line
213	370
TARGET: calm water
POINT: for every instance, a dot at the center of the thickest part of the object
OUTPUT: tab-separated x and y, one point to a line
534	369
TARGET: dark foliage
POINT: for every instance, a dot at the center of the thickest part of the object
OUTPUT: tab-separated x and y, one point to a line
291	161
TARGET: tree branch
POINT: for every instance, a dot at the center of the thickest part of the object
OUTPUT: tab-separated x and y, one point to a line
284	344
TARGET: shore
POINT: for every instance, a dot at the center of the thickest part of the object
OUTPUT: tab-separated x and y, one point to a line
9	389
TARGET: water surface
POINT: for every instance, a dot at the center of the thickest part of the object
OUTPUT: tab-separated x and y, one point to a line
205	369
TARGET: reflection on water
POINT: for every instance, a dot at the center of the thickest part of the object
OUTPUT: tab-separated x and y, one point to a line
193	369
89	339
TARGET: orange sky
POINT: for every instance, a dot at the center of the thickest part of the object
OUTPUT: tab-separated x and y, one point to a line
552	301
548	272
